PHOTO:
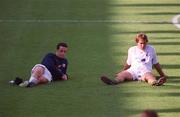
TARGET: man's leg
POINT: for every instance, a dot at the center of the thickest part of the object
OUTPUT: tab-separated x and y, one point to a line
151	79
124	75
120	77
37	76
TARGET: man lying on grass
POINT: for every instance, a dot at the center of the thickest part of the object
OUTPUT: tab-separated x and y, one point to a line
53	67
139	64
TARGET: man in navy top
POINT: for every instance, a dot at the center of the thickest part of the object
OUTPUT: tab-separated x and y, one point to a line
53	67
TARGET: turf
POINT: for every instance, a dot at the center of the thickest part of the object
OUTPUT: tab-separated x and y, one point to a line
98	32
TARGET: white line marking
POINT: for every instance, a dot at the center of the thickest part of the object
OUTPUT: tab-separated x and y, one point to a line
83	21
175	21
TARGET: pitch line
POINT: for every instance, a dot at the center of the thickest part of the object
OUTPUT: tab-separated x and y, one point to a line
85	21
175	21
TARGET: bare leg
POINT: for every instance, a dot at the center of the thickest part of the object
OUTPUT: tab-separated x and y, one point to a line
122	76
37	75
149	78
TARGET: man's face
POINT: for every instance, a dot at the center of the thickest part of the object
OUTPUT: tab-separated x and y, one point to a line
141	44
61	52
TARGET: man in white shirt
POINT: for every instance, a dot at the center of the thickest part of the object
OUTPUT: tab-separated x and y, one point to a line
139	64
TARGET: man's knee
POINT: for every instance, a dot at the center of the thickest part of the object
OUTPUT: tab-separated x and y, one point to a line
42	79
149	75
38	71
150	78
124	75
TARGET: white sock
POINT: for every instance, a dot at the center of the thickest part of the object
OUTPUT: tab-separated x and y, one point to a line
33	79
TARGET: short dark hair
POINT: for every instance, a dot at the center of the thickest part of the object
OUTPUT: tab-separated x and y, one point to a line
61	44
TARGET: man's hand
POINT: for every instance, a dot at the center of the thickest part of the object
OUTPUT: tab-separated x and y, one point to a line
164	78
64	77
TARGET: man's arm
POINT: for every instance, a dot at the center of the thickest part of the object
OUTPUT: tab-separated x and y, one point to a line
126	66
159	70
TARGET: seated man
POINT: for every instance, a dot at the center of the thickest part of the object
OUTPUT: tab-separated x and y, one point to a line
139	64
53	67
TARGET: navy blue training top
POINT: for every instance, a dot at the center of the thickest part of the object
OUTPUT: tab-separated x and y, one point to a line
56	65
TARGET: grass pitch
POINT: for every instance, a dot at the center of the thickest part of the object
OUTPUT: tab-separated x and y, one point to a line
99	34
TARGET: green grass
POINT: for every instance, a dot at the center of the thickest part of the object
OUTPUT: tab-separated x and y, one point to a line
29	29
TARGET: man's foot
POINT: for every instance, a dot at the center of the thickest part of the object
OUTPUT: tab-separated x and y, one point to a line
31	84
108	81
16	81
159	82
24	84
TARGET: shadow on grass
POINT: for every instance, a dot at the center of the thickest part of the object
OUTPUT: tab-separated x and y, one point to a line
151	43
89	55
168	110
173	79
150	31
175	37
160	13
167	66
165	43
150	94
146	5
168	53
158	54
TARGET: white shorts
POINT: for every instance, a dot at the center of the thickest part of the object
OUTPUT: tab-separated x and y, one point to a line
137	74
46	74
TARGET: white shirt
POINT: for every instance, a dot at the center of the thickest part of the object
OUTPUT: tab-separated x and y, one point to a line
142	59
